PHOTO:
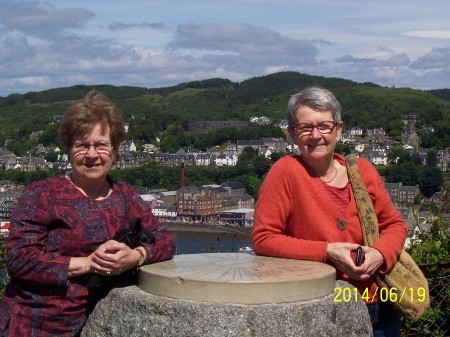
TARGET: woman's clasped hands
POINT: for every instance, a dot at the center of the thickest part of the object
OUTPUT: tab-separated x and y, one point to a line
341	256
113	258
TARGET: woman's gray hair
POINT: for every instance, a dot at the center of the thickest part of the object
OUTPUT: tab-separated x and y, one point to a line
316	98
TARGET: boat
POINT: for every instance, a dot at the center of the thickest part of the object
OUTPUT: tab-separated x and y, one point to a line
246	248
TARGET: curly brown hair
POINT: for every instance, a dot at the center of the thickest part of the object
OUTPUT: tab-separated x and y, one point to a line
82	116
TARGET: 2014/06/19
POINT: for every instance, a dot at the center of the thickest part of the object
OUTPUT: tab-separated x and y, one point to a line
347	294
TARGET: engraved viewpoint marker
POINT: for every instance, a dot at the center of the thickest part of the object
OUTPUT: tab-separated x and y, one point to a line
239	278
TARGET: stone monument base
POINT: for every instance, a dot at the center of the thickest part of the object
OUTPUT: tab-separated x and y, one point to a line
133	312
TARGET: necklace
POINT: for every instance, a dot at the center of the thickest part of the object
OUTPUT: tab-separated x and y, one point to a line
334	176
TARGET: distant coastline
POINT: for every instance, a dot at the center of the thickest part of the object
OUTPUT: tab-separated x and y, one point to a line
206	228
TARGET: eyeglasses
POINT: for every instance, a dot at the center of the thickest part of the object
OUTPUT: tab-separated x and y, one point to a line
101	148
325	127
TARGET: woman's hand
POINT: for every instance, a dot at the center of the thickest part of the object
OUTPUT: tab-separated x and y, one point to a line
113	258
373	261
339	253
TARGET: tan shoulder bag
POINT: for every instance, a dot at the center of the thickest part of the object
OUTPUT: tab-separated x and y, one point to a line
407	286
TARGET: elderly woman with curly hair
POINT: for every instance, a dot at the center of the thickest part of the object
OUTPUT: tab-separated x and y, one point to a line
62	229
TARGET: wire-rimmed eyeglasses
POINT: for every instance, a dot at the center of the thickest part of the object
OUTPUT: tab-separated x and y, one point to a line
100	148
325	127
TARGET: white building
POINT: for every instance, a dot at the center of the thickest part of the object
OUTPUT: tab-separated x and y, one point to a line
360	148
226	160
355	131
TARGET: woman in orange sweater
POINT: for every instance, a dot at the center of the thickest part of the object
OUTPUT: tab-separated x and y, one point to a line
306	208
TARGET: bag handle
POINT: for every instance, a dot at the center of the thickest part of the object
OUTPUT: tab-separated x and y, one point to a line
366	212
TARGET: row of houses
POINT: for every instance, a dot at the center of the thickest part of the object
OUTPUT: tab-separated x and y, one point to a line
203	126
372	144
226	156
376	153
198	203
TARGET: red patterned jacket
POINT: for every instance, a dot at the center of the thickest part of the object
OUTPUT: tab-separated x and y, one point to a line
52	222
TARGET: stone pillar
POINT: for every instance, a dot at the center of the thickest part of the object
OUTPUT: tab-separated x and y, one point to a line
231	295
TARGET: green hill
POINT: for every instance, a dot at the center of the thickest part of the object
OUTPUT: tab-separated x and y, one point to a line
151	111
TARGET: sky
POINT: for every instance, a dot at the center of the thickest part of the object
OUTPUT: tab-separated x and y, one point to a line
159	43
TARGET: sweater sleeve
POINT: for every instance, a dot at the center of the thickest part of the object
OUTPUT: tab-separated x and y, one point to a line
391	226
274	208
27	256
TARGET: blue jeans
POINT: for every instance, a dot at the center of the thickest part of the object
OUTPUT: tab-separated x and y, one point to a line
385	319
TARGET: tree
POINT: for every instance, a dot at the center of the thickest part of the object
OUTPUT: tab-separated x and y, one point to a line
405	173
428	140
343	149
170	144
251	182
51	157
430	180
431	159
400	155
17	147
430	176
50	136
138	183
394	128
430	251
277	155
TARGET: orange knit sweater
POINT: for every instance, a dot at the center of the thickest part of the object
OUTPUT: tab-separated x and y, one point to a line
295	217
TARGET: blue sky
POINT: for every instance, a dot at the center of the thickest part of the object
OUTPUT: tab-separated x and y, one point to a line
157	43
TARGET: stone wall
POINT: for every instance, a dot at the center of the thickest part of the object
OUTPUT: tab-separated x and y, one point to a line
133	312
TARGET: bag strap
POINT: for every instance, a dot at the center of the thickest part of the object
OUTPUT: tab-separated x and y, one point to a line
366	212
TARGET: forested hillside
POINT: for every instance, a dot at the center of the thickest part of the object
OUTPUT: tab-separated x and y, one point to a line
150	111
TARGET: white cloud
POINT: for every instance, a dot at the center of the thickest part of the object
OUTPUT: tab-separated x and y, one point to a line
157	43
396	60
41	19
244	46
438	58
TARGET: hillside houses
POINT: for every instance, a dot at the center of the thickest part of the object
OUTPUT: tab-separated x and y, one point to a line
253	143
128	157
149	148
226	160
127	146
263	120
355	131
402	194
206	126
9	192
376	158
227	156
372	144
347	138
273	144
6	208
376	134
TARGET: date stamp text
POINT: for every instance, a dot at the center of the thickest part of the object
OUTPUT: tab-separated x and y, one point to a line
347	294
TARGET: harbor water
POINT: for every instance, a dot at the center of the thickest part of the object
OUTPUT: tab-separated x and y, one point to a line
204	242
